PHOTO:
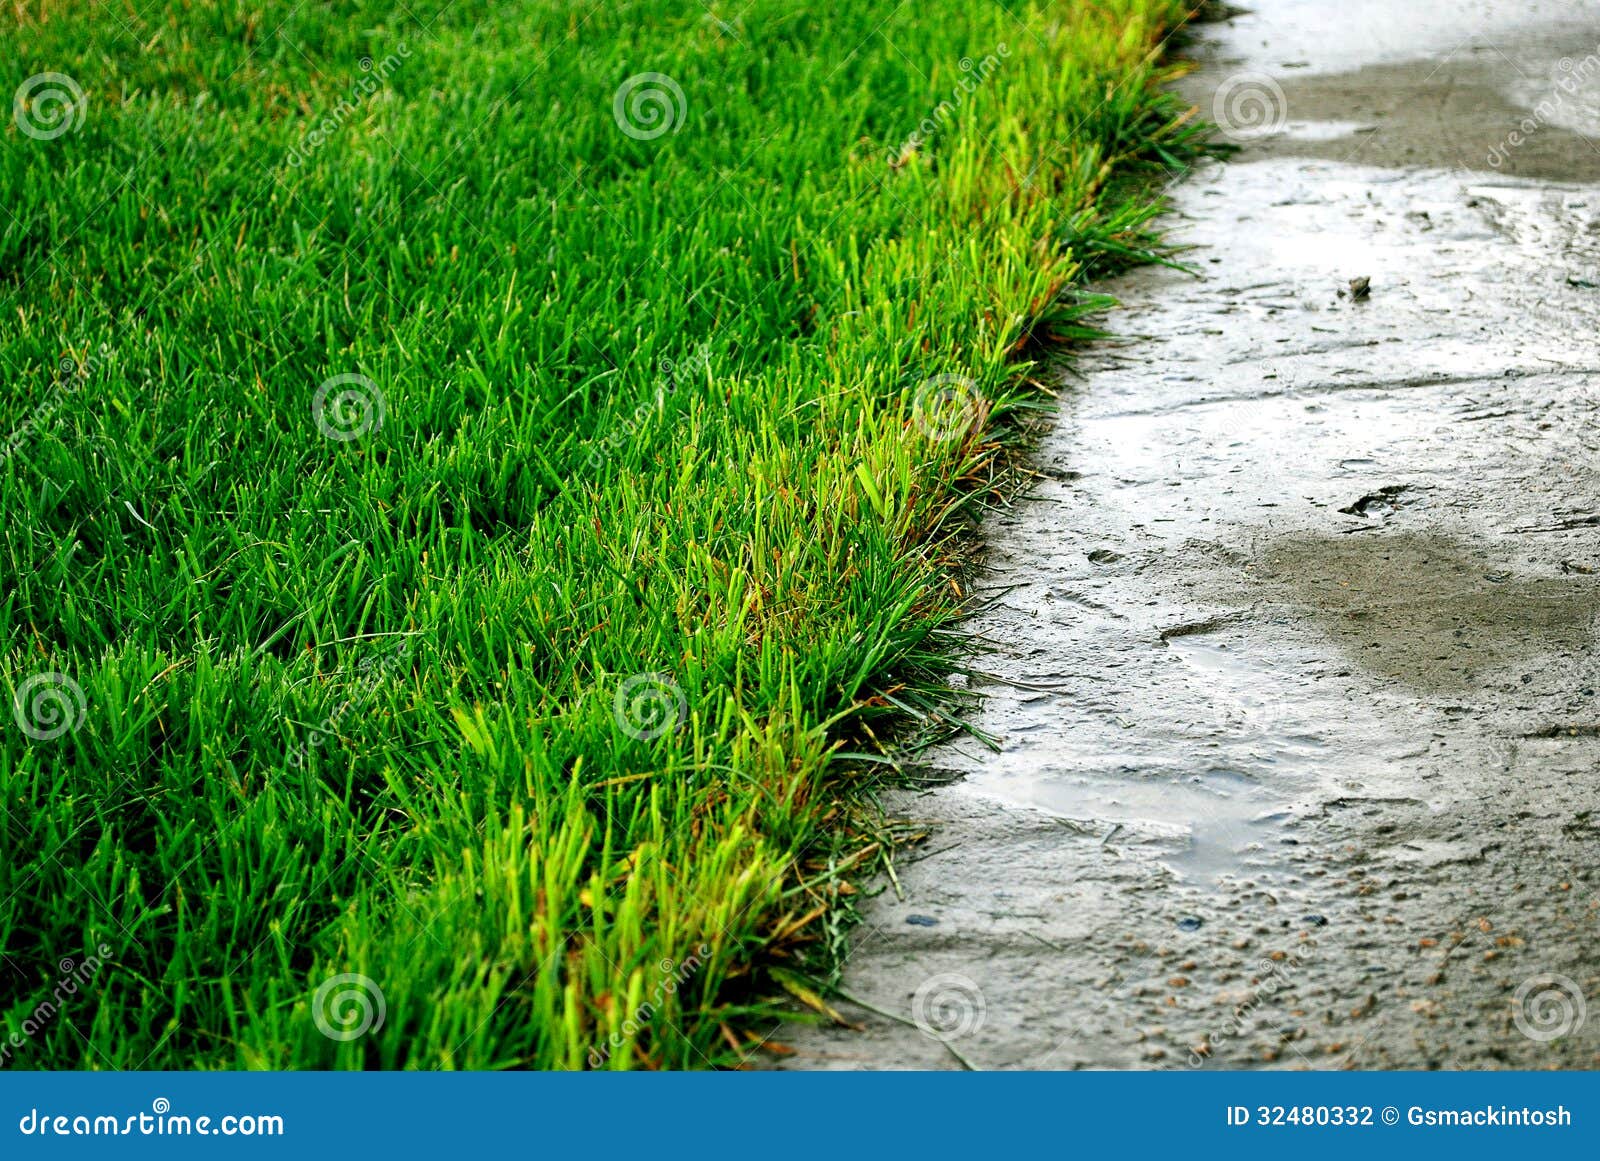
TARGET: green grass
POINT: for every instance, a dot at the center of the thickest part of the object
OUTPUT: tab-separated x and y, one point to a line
650	406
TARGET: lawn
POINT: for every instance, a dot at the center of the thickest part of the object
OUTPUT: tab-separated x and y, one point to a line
482	484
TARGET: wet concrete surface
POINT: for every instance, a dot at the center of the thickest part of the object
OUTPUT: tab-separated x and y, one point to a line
1419	83
1294	645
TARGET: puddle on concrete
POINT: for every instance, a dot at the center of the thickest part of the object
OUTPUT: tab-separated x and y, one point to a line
1211	823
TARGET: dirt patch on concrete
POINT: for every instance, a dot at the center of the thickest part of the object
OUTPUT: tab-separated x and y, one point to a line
1434	612
1510	89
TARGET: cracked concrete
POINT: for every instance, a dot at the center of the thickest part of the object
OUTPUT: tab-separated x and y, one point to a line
1294	666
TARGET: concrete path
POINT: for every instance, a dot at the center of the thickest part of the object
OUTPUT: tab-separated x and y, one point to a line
1295	642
